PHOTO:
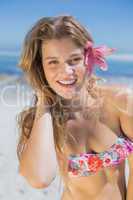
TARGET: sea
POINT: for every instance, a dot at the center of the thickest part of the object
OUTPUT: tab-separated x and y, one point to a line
119	70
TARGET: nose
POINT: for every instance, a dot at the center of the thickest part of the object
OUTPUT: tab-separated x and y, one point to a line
69	69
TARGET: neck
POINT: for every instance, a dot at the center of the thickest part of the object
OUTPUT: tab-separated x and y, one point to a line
77	102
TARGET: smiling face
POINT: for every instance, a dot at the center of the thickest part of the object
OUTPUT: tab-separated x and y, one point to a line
63	64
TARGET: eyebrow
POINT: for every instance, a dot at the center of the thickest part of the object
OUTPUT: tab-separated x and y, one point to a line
53	57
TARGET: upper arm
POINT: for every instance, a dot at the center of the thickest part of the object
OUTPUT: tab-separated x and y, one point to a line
124	101
125	107
122	98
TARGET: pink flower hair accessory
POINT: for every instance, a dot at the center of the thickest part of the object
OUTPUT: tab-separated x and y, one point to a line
96	56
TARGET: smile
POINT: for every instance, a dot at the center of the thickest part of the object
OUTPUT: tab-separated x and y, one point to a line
67	83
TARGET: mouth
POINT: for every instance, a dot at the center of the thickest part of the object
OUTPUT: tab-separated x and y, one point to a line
68	83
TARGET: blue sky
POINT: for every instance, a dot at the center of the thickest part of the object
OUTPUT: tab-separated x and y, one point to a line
110	22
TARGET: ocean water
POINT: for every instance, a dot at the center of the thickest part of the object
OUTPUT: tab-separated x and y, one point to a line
9	65
116	68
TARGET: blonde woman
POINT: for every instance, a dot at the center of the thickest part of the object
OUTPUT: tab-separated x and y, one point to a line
76	126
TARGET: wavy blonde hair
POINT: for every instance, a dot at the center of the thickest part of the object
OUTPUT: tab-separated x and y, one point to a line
31	63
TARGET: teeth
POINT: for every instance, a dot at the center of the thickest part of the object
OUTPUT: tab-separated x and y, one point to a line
67	82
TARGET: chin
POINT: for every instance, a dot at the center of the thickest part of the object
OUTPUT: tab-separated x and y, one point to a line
66	96
66	92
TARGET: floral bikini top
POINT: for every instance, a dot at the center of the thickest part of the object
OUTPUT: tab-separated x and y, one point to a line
85	164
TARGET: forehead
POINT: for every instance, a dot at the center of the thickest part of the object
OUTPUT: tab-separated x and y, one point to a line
60	47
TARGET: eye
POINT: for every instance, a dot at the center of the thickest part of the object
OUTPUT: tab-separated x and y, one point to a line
75	60
53	62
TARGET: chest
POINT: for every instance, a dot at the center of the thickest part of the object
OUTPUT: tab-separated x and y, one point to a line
97	136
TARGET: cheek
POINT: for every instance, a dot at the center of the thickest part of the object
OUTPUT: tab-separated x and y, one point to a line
81	71
47	76
51	77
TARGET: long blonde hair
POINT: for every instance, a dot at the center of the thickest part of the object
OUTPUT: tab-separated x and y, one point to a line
31	63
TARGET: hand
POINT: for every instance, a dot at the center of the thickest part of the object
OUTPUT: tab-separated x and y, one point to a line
42	106
42	100
40	97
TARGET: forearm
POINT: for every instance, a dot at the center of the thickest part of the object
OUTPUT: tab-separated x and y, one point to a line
38	160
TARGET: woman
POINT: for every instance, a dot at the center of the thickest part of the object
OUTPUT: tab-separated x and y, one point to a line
76	126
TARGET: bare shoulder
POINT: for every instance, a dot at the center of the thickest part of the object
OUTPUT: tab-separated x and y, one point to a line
117	95
121	97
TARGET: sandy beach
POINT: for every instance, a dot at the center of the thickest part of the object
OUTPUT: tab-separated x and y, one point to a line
15	95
